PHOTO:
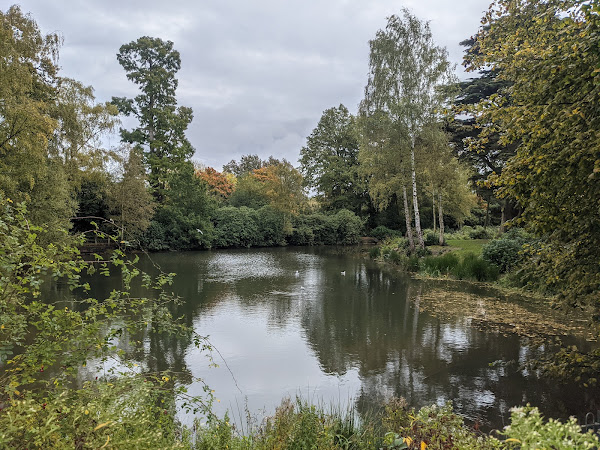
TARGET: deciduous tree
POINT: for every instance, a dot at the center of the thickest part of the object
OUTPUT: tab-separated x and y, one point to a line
406	73
329	162
548	52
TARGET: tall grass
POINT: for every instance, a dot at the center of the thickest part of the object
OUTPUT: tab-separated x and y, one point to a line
301	425
469	267
296	425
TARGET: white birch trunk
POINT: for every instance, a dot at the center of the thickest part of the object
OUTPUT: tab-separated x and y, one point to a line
415	199
409	233
433	210
441	219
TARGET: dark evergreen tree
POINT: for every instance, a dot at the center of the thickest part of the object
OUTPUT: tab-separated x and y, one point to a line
152	63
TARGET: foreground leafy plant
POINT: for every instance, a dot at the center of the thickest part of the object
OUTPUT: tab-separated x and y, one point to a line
527	430
43	348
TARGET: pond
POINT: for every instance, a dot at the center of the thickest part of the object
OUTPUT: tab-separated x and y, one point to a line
335	327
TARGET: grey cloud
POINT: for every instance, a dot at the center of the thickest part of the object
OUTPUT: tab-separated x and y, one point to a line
257	74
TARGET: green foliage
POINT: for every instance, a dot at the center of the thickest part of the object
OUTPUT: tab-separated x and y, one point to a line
131	204
294	426
236	227
507	251
248	164
329	163
248	192
468	232
548	111
381	232
125	412
431	237
480	232
152	63
270	225
439	427
440	265
43	347
341	228
374	252
473	267
527	430
183	221
30	169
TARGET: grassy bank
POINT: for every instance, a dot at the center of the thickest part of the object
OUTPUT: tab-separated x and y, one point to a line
300	425
460	259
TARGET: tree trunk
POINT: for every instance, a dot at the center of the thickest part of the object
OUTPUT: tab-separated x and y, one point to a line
441	218
433	209
503	219
487	213
409	233
415	200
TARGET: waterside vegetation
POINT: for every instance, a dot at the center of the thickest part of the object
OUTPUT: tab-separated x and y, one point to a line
508	159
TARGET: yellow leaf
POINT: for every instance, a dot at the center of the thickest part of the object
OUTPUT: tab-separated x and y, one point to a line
513	440
106	443
423	445
102	425
407	441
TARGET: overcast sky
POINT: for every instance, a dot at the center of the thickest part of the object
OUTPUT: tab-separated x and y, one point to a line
258	74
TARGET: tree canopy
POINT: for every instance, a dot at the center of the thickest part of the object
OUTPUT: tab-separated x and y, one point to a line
546	52
152	63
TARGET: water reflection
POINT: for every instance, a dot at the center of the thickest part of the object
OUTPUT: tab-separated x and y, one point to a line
332	326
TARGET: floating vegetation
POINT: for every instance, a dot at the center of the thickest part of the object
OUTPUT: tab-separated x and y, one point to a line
502	315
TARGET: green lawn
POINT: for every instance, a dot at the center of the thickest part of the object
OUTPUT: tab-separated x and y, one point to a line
460	246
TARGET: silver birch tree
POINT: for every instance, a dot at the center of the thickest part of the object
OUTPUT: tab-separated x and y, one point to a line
406	73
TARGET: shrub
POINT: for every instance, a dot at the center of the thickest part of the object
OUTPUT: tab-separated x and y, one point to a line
412	263
374	252
176	229
480	232
396	257
431	237
302	234
236	227
342	228
269	224
381	232
528	430
505	252
349	227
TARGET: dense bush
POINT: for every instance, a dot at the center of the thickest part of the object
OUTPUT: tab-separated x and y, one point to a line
342	228
382	232
177	229
431	237
298	425
247	227
528	430
349	227
505	252
182	222
235	227
269	223
480	232
467	232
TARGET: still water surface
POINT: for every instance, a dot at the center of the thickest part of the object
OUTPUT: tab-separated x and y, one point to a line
337	328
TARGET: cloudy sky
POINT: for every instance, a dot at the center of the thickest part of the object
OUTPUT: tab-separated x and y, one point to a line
258	74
